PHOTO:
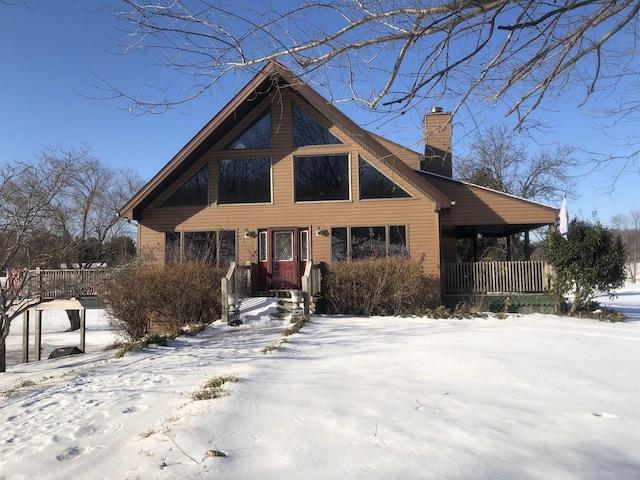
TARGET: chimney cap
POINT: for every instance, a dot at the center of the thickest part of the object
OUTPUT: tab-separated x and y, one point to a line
436	109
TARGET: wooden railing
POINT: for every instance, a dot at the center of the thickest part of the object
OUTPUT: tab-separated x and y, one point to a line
312	279
497	277
311	283
53	284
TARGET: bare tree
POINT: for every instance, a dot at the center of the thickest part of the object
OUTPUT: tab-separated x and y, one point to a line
85	219
51	210
92	195
497	160
393	55
28	192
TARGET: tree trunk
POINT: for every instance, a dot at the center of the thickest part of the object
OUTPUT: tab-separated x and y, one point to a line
74	320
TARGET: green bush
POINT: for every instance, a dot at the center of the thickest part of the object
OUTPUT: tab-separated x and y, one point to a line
378	286
163	299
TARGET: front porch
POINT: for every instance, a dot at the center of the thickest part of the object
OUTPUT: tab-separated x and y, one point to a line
520	286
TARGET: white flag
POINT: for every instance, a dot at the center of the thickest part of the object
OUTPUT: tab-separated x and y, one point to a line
564	219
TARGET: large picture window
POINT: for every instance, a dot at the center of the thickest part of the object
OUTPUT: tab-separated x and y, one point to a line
256	135
321	177
212	247
367	242
375	184
244	180
307	131
194	191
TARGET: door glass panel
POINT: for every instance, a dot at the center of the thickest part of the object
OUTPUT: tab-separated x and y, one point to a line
283	246
304	245
262	255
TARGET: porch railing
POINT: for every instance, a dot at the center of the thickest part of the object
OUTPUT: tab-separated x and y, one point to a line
311	284
497	277
312	279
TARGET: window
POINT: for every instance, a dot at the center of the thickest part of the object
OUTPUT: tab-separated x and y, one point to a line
375	184
398	241
367	242
200	246
338	244
256	135
321	177
214	247
307	131
227	250
194	191
172	247
244	180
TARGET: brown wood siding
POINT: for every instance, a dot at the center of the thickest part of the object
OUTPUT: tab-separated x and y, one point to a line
417	213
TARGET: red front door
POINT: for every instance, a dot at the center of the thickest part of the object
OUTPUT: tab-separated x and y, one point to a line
283	254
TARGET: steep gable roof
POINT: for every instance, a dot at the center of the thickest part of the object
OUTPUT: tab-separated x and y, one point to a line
273	75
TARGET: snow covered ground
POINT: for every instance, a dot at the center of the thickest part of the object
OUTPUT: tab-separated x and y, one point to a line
526	397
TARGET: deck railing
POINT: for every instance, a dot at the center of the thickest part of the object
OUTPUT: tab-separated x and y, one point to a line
497	277
53	284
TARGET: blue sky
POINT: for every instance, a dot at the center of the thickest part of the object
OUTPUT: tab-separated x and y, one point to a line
54	54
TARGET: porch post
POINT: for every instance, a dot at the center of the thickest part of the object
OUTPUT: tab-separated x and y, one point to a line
475	248
508	248
527	246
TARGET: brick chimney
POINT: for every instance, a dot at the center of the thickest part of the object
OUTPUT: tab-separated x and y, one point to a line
437	143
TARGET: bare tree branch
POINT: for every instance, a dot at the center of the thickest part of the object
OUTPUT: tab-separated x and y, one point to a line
419	51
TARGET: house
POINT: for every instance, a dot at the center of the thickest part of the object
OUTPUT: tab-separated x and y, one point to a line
280	179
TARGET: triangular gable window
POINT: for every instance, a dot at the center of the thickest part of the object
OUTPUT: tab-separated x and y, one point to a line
307	131
192	192
256	135
375	184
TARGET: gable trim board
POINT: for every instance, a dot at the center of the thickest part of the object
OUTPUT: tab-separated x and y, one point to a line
437	207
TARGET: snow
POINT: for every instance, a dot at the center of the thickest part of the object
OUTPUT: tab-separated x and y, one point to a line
526	396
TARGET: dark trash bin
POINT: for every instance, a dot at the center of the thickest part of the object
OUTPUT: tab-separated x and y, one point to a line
65	351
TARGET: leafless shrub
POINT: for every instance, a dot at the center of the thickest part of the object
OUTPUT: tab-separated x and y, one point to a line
379	286
163	299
